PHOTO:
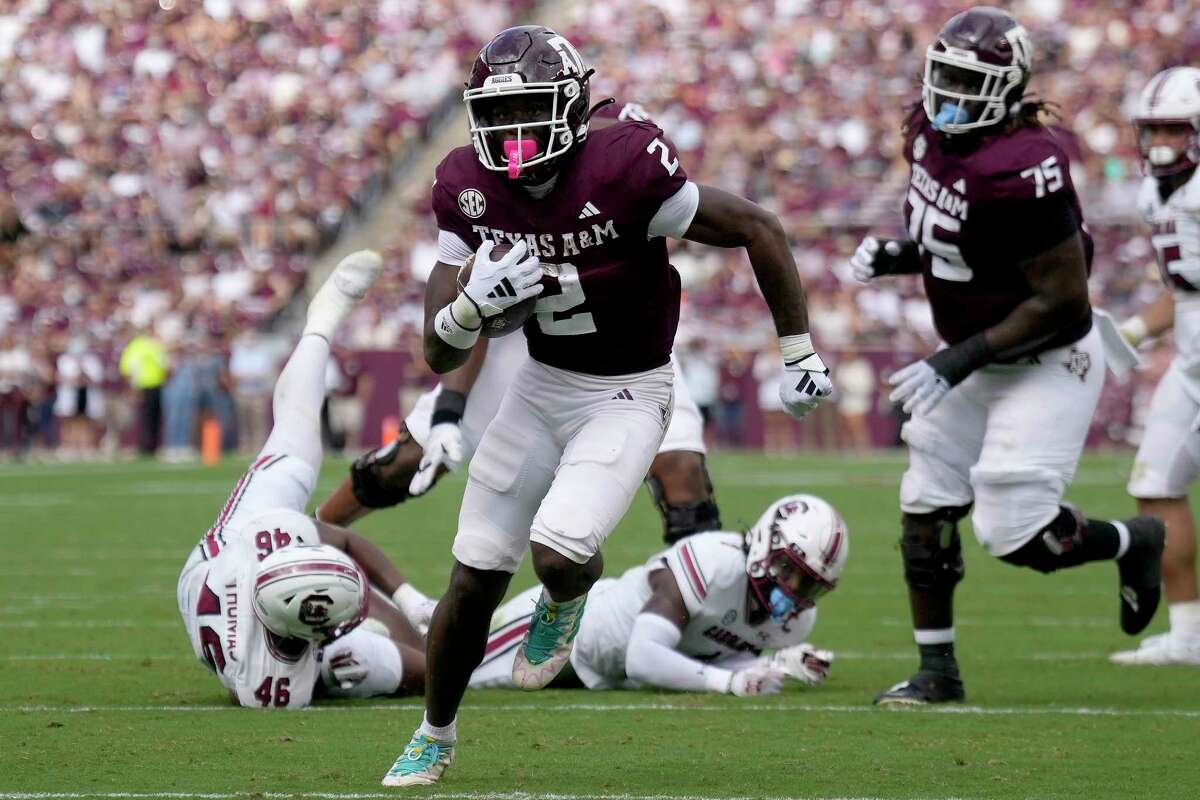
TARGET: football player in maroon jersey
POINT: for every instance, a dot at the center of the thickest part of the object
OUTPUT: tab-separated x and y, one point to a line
1000	414
587	217
444	426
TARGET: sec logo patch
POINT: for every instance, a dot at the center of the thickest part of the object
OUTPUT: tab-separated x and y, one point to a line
471	203
918	152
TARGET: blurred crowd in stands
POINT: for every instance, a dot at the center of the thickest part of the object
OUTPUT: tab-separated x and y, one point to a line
169	170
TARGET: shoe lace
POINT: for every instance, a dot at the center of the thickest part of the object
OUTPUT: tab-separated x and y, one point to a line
547	631
421	752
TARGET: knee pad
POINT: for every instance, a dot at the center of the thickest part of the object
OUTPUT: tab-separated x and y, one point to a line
932	549
1054	547
380	478
684	519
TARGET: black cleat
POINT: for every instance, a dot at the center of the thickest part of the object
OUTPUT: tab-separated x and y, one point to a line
1141	572
922	689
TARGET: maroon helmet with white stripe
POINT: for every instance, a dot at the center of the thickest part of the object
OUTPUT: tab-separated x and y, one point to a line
799	545
313	592
1171	98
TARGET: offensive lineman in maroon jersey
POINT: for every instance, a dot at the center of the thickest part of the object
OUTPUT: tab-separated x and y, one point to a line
561	461
1001	413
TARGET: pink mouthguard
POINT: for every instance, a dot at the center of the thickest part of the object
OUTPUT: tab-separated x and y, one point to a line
518	153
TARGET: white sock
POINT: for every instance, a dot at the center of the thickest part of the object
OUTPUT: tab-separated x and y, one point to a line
296	404
550	601
445	733
934	636
1185	619
1123	535
345	286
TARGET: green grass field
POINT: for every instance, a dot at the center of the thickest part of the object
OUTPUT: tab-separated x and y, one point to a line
102	697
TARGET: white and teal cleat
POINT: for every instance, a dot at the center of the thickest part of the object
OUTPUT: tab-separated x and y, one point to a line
422	762
547	644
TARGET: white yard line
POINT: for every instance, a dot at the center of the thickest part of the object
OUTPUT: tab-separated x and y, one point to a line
983	711
391	796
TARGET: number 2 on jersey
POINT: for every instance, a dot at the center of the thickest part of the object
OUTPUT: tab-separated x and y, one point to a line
551	311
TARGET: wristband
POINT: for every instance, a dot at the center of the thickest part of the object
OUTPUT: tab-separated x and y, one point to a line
717	680
906	262
452	332
957	362
1134	330
448	407
408	597
796	347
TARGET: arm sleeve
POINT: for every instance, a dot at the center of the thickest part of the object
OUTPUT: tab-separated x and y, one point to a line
452	249
651	658
675	215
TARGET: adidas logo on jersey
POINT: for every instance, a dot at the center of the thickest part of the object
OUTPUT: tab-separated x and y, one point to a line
624	394
960	186
589	210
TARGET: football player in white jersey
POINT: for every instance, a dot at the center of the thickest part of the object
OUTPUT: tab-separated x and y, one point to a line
267	586
1167	120
698	616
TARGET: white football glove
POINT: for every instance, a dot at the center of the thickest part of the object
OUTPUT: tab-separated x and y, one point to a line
347	670
495	286
757	680
443	448
805	384
805	663
862	263
415	606
919	387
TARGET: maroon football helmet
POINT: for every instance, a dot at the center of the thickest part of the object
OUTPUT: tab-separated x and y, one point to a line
976	71
527	102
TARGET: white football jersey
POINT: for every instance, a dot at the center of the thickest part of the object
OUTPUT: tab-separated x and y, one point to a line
1175	234
227	636
710	570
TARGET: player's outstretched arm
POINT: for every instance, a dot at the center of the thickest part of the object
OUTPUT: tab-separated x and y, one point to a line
380	571
443	450
1154	320
651	657
726	220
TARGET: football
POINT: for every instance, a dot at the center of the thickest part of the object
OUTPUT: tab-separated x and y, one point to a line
509	320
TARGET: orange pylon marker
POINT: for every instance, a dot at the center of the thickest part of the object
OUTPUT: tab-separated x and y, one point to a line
210	442
389	430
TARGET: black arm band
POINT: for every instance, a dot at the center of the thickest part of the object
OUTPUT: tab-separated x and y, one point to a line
908	262
448	407
957	362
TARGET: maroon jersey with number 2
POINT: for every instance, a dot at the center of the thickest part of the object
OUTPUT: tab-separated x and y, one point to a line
611	300
978	212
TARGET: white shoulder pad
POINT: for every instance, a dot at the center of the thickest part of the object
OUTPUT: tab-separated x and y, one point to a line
705	563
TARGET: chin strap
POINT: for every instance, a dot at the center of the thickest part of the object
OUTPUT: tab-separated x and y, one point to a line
608	101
